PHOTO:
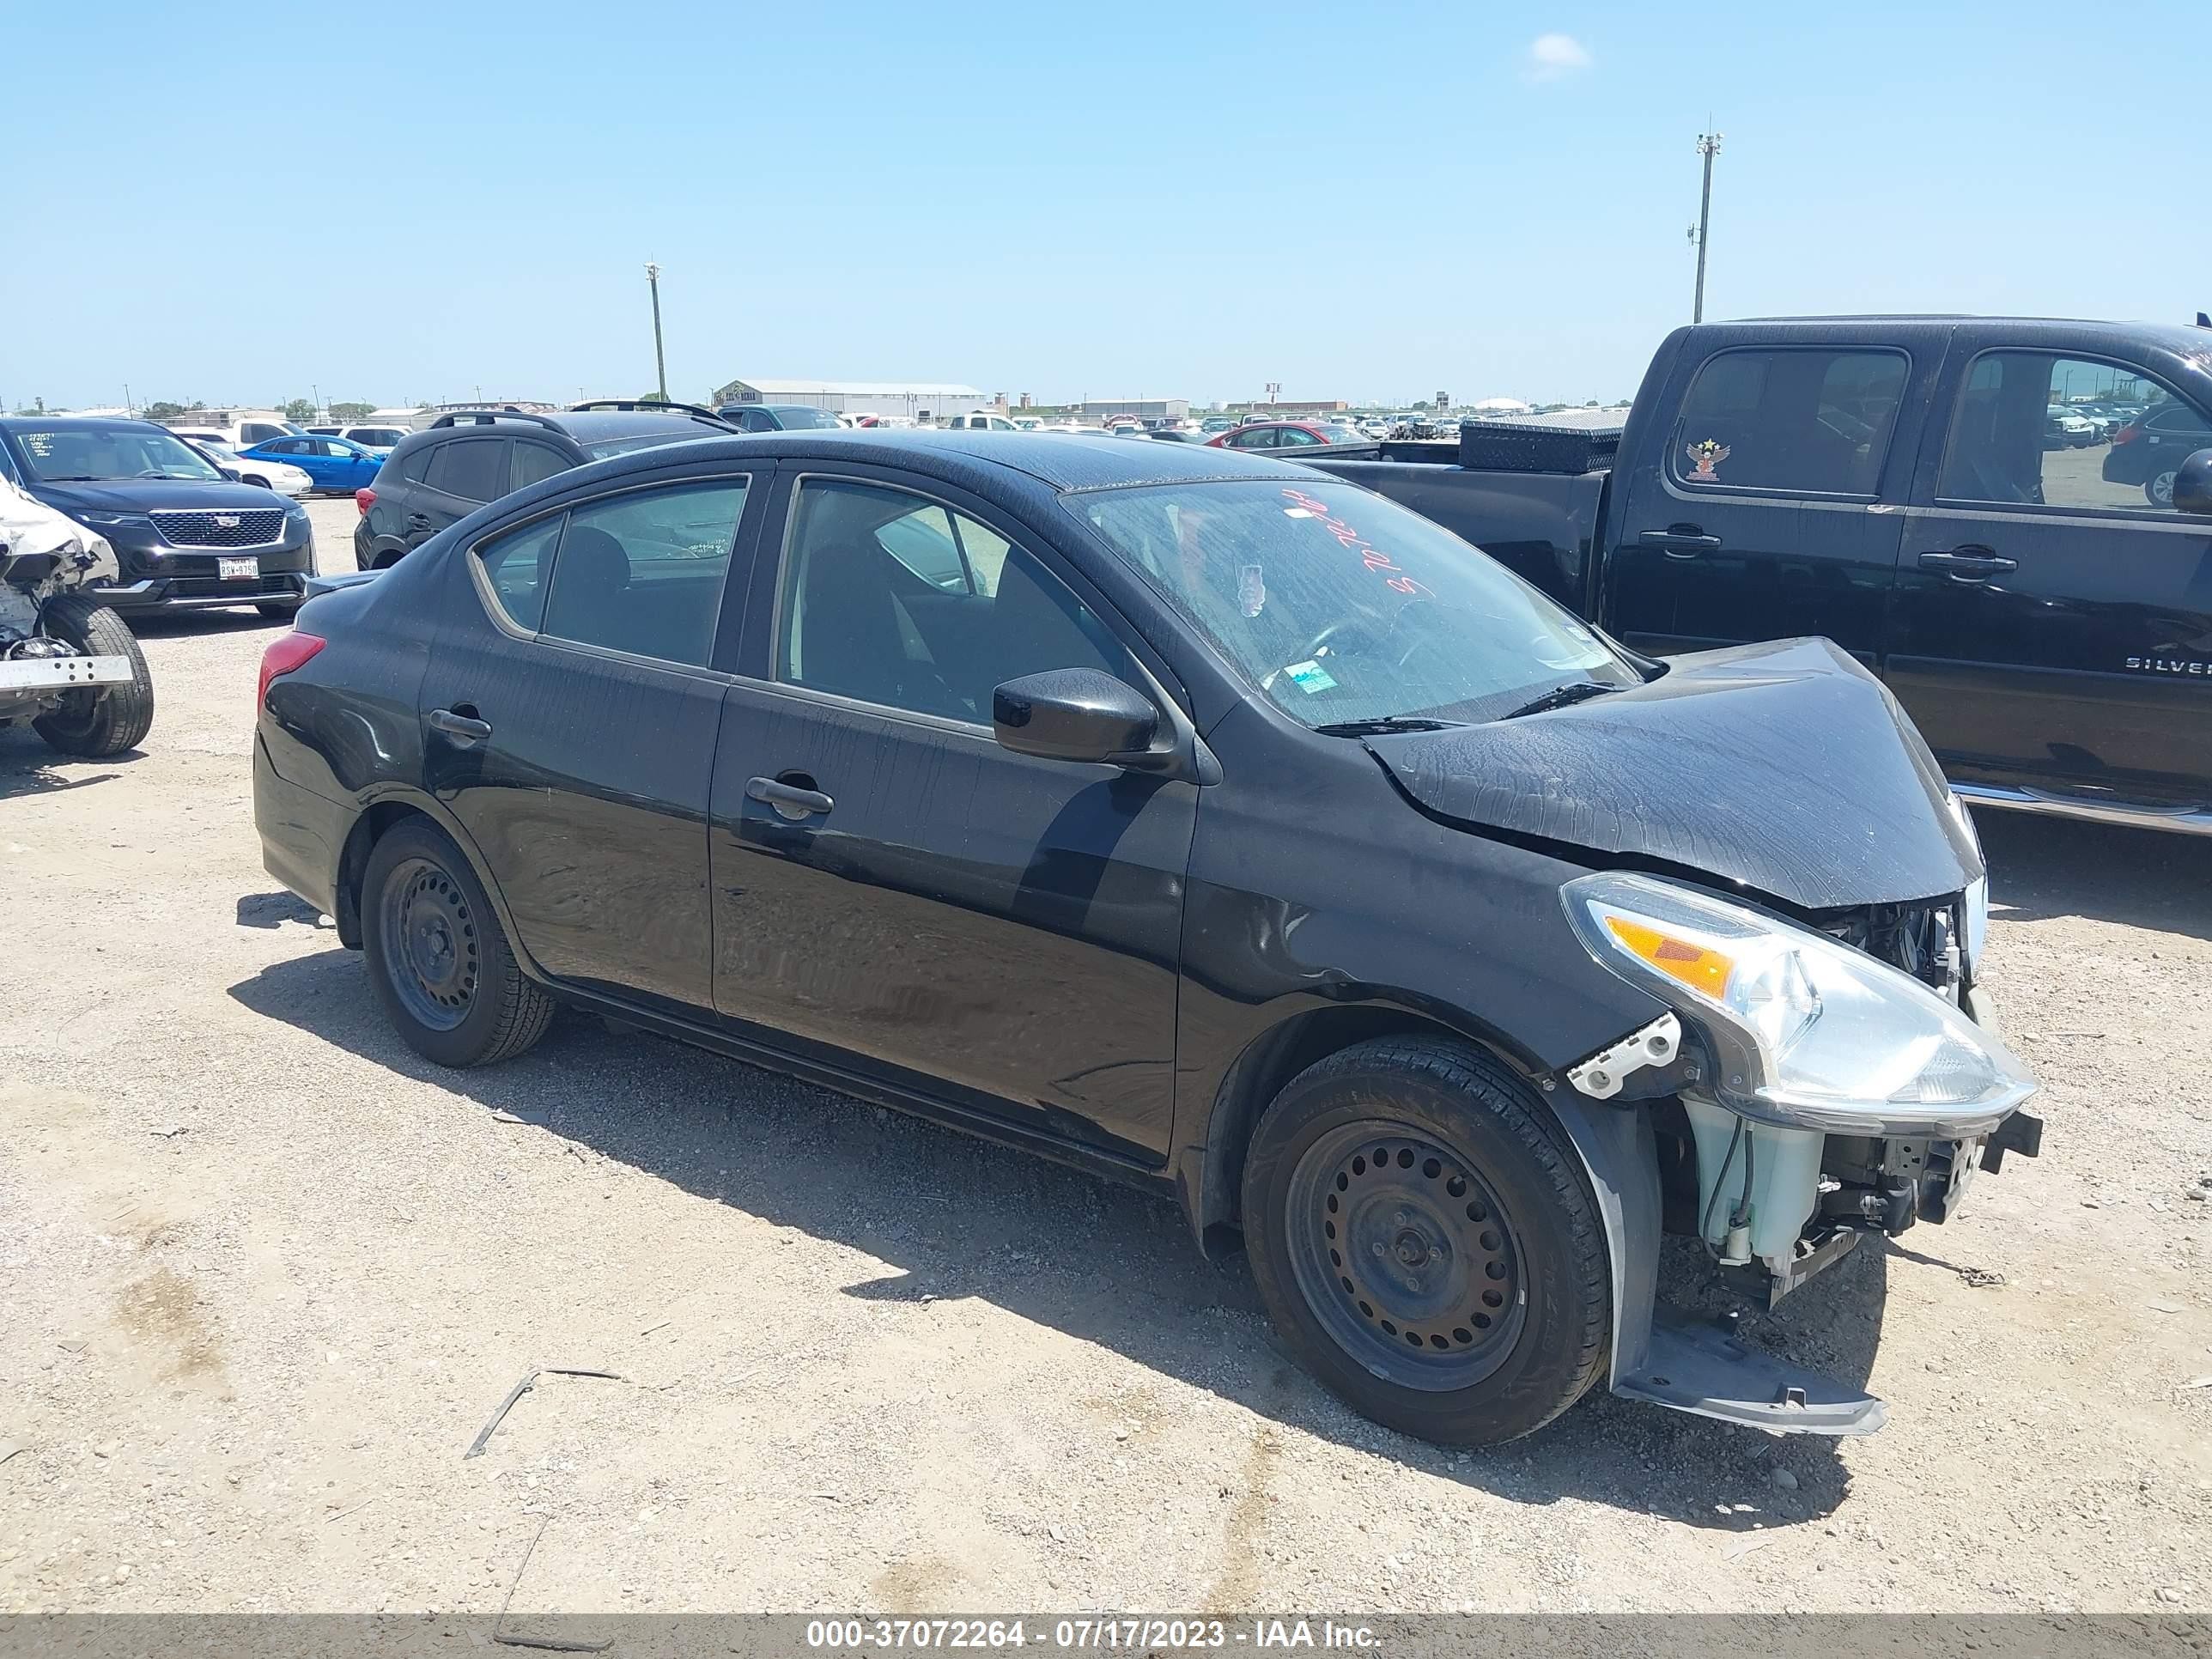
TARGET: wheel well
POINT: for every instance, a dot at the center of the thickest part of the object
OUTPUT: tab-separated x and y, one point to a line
353	862
388	557
1261	1073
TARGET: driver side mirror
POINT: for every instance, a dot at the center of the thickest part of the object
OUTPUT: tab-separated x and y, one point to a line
2192	485
1073	715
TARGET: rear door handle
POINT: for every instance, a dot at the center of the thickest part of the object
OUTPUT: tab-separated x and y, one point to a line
789	801
1681	541
1969	564
461	728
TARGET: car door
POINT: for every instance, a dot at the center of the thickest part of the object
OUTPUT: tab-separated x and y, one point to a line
322	460
897	896
570	709
1770	511
463	474
2051	628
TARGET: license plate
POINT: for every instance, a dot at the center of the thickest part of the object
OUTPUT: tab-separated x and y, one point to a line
237	570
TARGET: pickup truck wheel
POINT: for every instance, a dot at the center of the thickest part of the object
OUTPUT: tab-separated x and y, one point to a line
1425	1241
110	719
2158	488
440	964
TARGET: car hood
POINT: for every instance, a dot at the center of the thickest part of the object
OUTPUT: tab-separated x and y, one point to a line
148	495
1784	768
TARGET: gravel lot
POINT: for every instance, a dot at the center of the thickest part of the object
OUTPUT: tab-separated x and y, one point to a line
263	1275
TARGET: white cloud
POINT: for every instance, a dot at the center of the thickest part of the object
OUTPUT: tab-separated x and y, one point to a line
1553	57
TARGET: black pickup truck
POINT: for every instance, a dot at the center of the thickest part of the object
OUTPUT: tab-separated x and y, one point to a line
1922	491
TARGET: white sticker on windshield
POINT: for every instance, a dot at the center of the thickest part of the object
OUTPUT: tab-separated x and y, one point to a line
1295	512
1310	677
1251	589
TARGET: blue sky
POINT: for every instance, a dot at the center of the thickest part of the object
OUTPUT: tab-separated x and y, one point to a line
402	202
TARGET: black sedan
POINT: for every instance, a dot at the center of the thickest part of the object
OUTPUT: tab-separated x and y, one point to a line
1203	821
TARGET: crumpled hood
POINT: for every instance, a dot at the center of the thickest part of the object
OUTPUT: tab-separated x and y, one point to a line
1783	767
151	496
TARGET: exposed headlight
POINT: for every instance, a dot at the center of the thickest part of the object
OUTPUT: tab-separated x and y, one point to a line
113	521
1804	1031
1977	902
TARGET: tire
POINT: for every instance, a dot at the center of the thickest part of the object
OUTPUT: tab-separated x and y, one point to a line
2158	489
440	964
102	722
1479	1305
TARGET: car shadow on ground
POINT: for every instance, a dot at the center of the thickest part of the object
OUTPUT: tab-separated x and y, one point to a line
171	624
2043	868
1107	1264
27	764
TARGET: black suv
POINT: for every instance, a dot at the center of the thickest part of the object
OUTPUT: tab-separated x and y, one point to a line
439	476
185	536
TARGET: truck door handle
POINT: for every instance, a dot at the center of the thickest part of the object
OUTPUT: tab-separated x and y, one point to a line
789	800
1968	564
461	728
1680	541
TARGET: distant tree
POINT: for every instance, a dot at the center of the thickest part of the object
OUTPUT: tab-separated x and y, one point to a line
162	412
299	410
352	411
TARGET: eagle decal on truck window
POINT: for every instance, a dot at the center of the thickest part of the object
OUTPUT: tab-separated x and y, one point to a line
1705	457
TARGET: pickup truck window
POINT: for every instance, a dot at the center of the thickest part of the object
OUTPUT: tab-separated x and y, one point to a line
1802	420
2035	429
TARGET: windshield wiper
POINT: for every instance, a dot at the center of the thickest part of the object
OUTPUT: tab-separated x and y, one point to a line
1560	696
68	477
1382	723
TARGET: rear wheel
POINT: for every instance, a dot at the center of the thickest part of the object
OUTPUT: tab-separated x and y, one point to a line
1426	1240
108	720
2158	488
440	964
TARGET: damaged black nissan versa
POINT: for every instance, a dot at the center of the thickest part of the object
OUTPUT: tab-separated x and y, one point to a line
1202	821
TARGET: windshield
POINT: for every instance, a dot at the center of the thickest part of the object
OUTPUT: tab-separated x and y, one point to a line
60	453
801	419
601	451
1343	607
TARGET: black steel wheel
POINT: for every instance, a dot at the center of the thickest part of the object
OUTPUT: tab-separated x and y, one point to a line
1405	1255
1425	1238
437	957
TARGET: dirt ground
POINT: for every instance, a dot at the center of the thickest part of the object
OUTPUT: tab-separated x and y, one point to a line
264	1274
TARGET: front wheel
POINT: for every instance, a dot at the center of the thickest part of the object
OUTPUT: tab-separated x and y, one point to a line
439	962
1427	1242
106	720
2158	488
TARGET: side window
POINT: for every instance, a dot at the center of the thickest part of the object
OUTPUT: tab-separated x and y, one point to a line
855	618
2035	430
517	565
1294	437
411	467
642	572
471	467
533	461
1784	419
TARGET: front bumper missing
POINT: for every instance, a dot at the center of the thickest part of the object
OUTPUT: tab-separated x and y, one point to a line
47	674
1702	1369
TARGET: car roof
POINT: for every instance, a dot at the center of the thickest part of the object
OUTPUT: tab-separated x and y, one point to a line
1059	461
583	426
46	422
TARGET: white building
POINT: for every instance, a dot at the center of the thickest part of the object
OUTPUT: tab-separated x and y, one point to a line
918	400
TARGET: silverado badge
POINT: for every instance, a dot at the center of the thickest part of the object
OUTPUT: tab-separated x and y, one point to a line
1707	455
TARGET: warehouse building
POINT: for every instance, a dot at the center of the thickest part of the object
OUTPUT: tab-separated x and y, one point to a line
1150	410
915	401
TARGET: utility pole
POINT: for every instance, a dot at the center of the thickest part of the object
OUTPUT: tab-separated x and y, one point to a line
318	391
1708	145
660	362
126	397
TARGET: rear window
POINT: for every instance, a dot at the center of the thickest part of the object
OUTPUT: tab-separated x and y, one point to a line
1815	421
806	420
469	468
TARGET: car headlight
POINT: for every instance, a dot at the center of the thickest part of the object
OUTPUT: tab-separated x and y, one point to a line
113	521
1977	903
1804	1031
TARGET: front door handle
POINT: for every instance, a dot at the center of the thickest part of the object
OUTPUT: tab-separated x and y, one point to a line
1681	541
461	728
789	800
1969	564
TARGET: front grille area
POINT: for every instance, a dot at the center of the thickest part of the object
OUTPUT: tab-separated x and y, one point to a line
253	526
208	587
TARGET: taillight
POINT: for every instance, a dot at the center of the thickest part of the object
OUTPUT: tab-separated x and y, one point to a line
286	652
2126	435
364	498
